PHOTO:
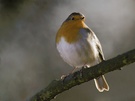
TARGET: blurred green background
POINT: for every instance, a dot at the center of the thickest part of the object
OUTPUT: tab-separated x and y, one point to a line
29	60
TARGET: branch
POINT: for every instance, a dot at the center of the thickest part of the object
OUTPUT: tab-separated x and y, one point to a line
85	74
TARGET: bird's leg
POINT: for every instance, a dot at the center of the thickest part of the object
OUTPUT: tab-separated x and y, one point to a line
64	76
81	71
73	70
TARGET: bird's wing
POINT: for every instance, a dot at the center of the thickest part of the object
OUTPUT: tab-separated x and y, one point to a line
99	47
85	32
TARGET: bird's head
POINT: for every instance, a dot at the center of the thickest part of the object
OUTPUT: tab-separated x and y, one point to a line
71	27
75	16
75	19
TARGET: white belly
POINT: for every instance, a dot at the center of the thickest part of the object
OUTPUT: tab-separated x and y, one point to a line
77	54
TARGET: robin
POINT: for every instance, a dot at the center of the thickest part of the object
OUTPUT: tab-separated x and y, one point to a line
79	46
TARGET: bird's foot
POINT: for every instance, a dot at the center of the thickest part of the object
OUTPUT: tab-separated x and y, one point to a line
120	68
63	77
82	69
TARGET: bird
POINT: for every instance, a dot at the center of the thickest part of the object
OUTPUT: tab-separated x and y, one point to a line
79	47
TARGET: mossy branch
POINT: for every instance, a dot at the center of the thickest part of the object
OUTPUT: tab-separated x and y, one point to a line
85	74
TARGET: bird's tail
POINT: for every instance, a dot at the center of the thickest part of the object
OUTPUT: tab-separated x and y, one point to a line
101	84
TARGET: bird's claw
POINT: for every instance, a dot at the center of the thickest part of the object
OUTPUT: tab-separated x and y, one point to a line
63	77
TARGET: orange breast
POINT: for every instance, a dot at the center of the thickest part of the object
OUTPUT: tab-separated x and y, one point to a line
70	31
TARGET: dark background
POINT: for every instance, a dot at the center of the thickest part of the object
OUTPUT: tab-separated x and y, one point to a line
29	60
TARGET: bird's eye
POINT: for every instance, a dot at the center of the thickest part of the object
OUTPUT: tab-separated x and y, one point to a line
72	18
82	18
